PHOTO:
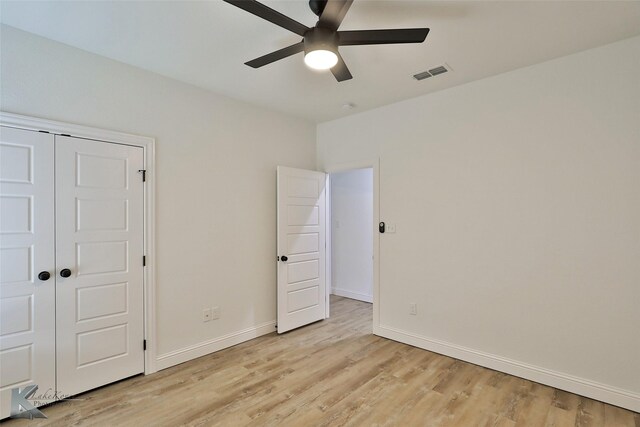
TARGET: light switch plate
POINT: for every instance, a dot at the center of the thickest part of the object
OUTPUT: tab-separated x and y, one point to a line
413	309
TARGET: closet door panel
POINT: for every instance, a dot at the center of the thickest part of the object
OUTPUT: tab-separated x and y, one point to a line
99	226
27	299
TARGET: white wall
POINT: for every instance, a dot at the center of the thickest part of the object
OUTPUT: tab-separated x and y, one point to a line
216	161
517	204
351	234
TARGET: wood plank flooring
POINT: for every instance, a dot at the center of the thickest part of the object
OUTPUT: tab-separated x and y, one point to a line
331	373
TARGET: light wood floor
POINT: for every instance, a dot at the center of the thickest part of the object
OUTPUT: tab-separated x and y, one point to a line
331	373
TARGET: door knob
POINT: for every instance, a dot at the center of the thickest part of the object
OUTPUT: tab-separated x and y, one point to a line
65	272
44	275
284	258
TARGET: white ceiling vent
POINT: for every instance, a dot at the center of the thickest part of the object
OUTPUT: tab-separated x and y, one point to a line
441	69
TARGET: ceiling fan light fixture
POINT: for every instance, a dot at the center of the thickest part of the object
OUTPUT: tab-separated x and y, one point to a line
320	59
320	48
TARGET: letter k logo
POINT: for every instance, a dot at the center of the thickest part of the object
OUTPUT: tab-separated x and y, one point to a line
19	399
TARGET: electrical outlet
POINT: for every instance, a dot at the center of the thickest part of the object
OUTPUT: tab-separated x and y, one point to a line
206	315
391	227
215	313
413	308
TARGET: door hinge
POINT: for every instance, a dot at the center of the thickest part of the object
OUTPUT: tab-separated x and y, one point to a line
144	174
144	344
144	260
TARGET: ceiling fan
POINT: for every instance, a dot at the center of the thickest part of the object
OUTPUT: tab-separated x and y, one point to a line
320	43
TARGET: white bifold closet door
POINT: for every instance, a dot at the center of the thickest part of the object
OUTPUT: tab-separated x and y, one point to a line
27	248
99	238
72	208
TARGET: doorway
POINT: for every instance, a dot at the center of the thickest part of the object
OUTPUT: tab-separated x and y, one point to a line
351	233
373	165
304	241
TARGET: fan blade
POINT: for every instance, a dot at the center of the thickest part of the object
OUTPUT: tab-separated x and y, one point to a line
333	13
274	56
273	16
340	70
406	35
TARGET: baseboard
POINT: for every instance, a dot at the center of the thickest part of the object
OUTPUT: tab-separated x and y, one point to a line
352	295
201	349
583	387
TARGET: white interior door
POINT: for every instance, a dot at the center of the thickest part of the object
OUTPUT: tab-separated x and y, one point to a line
27	311
99	238
301	247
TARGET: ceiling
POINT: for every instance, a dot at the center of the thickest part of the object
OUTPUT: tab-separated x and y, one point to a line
205	43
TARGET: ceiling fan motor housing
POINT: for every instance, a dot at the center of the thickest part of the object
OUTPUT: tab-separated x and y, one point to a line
319	38
317	6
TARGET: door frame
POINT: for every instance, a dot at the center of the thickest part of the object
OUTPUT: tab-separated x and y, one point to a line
344	167
148	146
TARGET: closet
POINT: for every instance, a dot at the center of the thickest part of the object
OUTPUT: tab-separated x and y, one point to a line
71	263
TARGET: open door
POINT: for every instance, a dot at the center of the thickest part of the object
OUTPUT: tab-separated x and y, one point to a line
301	247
